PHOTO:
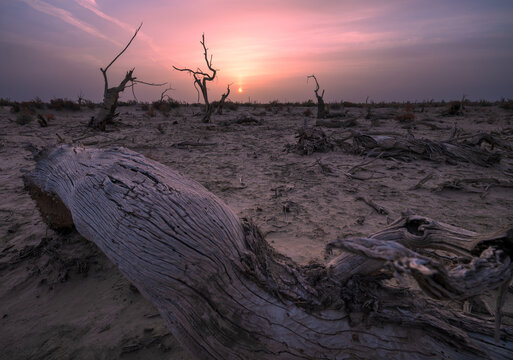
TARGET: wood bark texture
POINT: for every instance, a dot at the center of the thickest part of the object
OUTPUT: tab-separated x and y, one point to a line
226	294
107	112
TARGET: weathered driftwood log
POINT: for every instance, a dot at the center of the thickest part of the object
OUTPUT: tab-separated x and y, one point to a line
226	294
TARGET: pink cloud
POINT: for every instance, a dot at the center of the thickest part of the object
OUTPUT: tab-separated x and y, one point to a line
67	17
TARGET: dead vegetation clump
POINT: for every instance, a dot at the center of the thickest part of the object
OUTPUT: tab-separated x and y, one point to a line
410	149
310	140
243	119
308	112
26	106
407	116
232	106
166	103
335	106
6	102
506	104
453	109
247	119
337	123
60	104
24	117
15	108
151	111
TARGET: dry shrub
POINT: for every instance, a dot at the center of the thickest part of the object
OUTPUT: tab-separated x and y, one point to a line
15	108
24	117
230	105
63	104
335	106
37	103
405	118
127	103
6	102
165	106
506	104
307	112
151	111
453	109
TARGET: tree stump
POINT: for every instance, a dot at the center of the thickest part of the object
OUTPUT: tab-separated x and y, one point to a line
226	294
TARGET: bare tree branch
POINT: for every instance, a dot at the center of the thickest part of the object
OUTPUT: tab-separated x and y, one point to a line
122	51
147	83
163	94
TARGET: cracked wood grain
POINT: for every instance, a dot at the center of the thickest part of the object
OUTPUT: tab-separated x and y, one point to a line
226	294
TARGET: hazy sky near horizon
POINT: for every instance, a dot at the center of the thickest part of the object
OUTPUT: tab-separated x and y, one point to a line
394	50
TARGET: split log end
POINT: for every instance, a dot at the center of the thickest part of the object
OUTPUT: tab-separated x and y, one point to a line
53	211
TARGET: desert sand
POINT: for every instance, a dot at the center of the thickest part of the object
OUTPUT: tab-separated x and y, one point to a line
60	297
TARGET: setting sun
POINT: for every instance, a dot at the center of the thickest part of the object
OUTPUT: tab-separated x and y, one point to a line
240	89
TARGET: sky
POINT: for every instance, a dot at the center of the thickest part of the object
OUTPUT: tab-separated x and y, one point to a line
394	50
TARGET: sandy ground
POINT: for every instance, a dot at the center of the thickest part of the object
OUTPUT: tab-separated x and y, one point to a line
60	297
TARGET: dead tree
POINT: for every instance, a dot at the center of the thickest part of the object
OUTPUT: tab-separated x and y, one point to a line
80	98
107	112
201	78
226	294
321	110
220	105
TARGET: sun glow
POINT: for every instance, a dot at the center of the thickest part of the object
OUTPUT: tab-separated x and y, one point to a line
240	89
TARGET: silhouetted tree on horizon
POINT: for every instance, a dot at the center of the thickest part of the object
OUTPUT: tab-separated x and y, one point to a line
321	110
200	80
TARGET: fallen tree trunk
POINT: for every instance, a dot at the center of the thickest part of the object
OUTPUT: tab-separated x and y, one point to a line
226	294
